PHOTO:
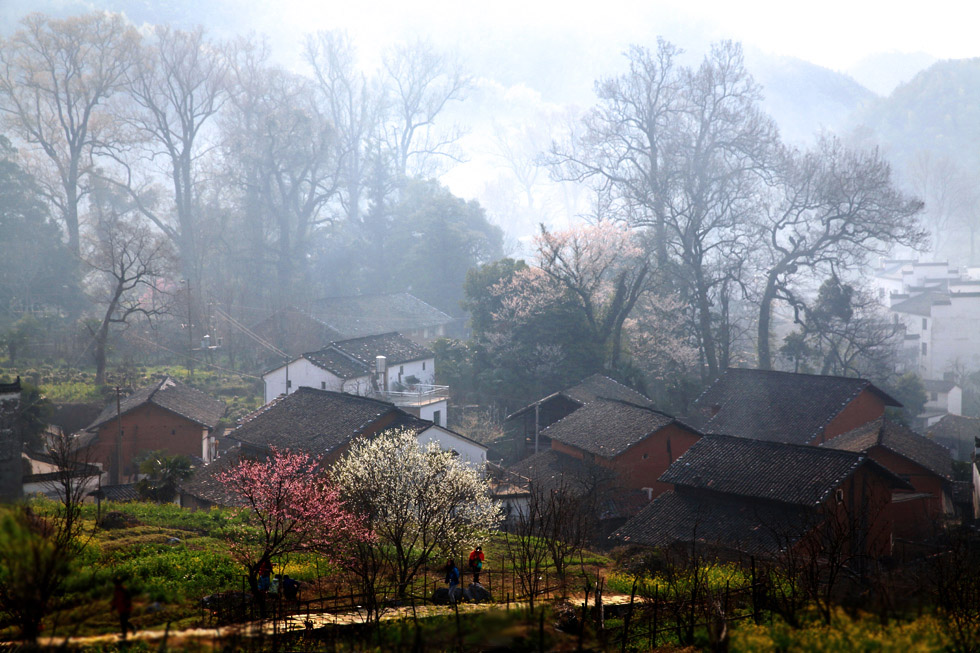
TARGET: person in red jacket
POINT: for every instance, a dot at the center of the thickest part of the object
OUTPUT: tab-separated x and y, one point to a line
476	563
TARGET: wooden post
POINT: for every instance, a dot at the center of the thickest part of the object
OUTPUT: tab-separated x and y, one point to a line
629	616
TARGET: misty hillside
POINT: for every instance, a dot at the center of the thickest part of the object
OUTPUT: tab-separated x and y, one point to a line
805	98
885	71
938	110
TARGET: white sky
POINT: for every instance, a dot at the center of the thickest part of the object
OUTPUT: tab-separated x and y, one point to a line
833	33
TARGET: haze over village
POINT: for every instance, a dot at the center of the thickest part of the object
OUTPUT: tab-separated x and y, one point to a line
649	326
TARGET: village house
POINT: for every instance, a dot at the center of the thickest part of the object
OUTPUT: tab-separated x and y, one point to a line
387	366
759	497
168	416
613	449
958	434
924	464
529	421
295	330
323	424
936	307
786	407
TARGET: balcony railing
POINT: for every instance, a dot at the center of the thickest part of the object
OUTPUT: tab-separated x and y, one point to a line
418	395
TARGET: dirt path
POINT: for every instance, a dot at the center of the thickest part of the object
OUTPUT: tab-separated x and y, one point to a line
296	623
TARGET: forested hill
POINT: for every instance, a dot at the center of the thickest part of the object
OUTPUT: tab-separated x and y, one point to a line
805	98
938	110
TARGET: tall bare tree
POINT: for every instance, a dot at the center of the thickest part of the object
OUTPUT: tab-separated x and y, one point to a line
684	151
127	260
352	102
835	209
176	89
419	83
55	77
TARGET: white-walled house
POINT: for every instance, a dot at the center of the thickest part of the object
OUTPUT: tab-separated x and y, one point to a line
405	377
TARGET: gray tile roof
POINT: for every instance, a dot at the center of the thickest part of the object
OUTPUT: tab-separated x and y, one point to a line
898	439
921	304
203	483
172	395
393	346
349	359
366	315
607	427
589	389
732	523
774	471
550	469
937	385
775	406
315	421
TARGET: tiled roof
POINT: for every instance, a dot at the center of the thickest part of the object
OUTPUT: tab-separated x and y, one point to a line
124	493
956	427
775	406
788	473
937	385
753	527
590	388
921	304
337	363
315	421
898	439
607	427
9	388
172	395
366	315
550	470
349	359
203	483
393	346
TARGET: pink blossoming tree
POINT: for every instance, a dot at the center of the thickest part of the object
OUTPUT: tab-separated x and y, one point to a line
287	505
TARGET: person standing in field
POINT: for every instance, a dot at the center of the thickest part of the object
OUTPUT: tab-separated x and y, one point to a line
476	563
122	602
452	577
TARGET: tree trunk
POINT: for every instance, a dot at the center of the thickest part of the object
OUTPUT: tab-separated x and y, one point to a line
765	320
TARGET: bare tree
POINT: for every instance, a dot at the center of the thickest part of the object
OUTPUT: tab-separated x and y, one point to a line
419	83
290	161
836	208
352	102
127	261
55	77
603	268
176	89
686	152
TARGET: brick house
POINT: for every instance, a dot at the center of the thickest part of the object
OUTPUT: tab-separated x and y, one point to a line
786	407
757	497
168	415
529	422
322	424
613	449
924	464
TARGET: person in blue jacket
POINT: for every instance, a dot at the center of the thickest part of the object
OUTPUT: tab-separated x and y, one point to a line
452	577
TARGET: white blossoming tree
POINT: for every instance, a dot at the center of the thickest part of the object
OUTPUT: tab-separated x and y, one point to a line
417	500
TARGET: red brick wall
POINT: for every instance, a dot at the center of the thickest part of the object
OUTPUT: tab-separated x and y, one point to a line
642	464
864	408
866	504
921	478
145	428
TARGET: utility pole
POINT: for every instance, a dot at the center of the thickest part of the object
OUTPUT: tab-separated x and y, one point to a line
116	476
190	331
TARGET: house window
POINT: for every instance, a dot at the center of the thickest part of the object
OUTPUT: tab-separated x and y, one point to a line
645	456
401	370
881	293
925	349
839	495
423	366
925	323
933	396
289	384
437	417
323	385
